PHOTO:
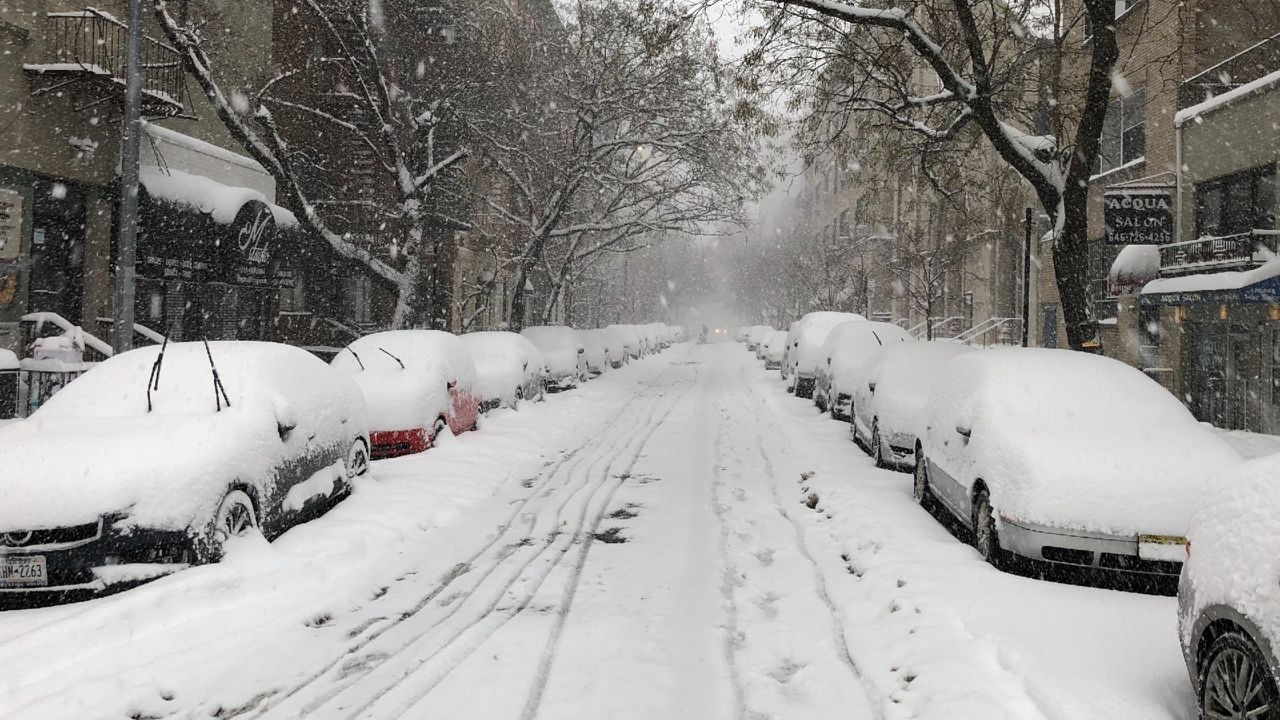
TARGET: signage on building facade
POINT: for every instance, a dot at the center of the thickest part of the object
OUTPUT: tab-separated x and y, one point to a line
185	246
1138	216
10	224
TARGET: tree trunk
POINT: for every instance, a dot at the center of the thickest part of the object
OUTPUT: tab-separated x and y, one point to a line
1071	269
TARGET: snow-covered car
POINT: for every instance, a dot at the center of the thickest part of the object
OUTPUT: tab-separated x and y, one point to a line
616	345
632	337
597	355
563	354
740	335
787	350
806	355
756	335
845	363
889	410
155	458
1229	597
1067	458
508	368
415	383
775	345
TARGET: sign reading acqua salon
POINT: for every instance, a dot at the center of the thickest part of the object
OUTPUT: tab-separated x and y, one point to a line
1138	216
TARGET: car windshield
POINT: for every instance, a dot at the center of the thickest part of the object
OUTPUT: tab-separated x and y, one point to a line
653	359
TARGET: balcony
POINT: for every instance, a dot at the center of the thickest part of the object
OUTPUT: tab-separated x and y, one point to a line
1240	69
1209	254
85	58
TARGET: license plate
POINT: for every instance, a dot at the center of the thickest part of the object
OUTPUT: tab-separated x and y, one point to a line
1170	548
23	571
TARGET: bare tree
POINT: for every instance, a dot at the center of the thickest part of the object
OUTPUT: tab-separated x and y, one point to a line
937	68
401	129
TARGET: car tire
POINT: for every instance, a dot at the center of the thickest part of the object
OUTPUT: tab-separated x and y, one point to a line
357	459
519	396
877	450
438	428
235	517
920	490
986	538
1234	666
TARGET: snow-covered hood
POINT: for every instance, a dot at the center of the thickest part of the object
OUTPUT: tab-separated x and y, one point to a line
1073	440
164	471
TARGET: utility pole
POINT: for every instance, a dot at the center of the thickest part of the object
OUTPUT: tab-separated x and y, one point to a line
1026	280
130	137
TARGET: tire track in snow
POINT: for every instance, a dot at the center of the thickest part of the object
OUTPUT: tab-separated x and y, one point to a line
528	509
877	698
727	570
565	484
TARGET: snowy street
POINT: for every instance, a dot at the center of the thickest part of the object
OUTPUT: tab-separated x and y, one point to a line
678	539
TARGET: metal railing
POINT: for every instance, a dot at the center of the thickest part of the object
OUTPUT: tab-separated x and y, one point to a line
992	331
93	41
1240	69
1215	253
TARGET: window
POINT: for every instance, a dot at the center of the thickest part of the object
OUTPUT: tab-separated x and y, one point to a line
1124	135
1122	7
1237	203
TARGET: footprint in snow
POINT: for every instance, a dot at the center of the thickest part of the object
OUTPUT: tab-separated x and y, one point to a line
786	671
764	556
768	604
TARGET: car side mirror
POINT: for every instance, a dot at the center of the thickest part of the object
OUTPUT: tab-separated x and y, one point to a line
285	429
964	432
871	385
451	384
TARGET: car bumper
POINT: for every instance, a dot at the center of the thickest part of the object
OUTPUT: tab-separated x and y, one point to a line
395	443
107	560
1112	553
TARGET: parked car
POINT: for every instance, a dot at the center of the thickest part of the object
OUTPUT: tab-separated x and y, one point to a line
597	353
508	368
616	345
755	336
562	352
415	383
1229	597
806	355
775	346
787	351
155	458
633	339
1067	458
845	363
889	410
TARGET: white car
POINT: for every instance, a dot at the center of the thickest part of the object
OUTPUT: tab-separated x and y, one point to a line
416	383
890	409
805	354
155	458
1068	458
787	351
775	346
755	336
508	368
845	363
562	352
1229	597
616	345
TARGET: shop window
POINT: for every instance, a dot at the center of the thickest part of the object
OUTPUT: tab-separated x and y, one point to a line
1237	203
1124	135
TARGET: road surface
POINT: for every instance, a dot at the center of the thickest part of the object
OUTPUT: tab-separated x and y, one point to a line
677	539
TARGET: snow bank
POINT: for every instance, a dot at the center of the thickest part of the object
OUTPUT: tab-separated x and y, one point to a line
93	448
1072	440
503	362
412	396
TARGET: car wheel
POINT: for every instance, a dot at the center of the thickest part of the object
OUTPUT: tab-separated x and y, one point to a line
985	536
877	451
438	428
235	517
519	397
358	460
1236	680
921	491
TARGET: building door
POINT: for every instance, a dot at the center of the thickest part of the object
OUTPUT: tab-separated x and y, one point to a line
1049	326
57	250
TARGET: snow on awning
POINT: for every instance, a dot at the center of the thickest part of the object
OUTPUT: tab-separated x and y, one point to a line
1134	267
1226	98
1260	285
222	203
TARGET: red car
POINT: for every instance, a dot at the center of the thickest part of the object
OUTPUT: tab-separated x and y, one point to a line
415	383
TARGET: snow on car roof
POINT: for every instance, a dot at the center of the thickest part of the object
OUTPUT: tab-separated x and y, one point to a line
412	396
500	360
904	374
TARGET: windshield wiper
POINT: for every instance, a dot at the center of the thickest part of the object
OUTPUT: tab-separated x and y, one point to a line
153	382
219	392
354	355
393	357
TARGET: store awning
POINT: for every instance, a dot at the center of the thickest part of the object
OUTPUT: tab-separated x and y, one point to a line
1260	285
